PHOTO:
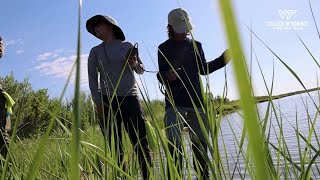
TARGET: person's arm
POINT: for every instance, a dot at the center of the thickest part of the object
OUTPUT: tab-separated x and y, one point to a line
93	76
165	73
138	67
209	67
134	60
7	127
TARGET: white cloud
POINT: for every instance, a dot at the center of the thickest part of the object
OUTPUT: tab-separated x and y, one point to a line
44	56
20	51
11	42
50	55
61	67
14	42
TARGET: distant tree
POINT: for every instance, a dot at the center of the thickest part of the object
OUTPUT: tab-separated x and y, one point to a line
218	100
35	108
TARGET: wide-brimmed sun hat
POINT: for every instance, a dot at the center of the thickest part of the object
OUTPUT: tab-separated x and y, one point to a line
93	21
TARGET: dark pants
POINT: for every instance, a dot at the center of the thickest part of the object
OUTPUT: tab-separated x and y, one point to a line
4	139
4	143
174	125
127	110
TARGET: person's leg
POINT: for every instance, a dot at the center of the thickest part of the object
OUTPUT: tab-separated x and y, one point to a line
4	136
173	126
135	126
4	142
104	117
199	145
111	128
117	129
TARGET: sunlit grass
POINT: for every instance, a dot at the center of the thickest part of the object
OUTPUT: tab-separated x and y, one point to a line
84	154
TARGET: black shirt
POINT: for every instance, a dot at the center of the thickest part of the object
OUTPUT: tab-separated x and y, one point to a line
188	59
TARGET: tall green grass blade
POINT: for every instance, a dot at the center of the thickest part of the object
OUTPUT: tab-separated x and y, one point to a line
314	20
36	162
255	137
226	157
305	46
266	117
75	141
288	68
298	138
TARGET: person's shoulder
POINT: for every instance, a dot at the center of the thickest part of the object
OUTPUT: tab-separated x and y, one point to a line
164	44
127	44
95	48
2	97
198	43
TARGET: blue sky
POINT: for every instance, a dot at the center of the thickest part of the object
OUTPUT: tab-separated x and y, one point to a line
40	38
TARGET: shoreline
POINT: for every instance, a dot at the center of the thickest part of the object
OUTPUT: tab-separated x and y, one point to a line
234	105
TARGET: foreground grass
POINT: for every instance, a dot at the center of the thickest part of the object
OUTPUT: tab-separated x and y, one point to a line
55	161
79	154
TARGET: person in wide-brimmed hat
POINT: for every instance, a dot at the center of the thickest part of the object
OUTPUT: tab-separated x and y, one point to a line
181	61
115	62
95	20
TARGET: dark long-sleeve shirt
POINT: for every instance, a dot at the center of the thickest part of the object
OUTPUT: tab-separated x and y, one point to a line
188	61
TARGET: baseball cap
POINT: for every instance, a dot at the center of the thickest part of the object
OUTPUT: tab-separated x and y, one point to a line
180	21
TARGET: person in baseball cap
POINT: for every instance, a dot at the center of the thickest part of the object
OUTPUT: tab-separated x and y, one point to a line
181	60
